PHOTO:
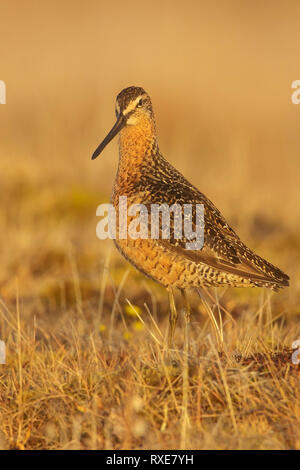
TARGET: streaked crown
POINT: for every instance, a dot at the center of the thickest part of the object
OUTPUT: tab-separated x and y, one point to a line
133	99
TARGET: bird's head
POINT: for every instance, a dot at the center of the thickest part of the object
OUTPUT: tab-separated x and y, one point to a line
133	108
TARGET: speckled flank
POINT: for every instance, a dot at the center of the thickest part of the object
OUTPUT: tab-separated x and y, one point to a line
144	176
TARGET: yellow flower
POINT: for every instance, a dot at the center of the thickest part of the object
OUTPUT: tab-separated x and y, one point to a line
127	335
138	325
81	408
133	310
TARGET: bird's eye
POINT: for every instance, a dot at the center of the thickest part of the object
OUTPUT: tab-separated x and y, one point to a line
140	103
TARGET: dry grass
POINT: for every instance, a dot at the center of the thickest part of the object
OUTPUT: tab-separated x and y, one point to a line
85	334
76	383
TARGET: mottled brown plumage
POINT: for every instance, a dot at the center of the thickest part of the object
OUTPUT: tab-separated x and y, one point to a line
144	176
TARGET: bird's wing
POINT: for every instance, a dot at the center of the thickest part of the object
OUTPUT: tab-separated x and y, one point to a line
222	248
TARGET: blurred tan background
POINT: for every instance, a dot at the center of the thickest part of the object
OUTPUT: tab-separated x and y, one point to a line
83	371
219	74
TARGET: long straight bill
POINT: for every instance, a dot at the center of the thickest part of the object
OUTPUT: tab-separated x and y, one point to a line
121	121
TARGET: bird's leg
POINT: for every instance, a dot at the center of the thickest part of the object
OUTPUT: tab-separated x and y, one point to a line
172	318
185	371
187	314
187	307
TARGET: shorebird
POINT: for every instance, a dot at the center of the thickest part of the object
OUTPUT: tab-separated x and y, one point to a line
145	177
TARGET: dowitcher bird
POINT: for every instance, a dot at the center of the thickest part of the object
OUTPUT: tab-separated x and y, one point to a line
145	177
